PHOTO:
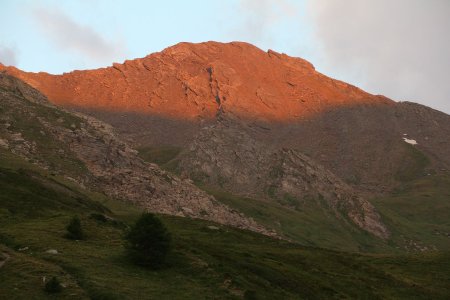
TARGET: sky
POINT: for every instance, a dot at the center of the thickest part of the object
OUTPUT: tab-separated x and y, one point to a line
398	48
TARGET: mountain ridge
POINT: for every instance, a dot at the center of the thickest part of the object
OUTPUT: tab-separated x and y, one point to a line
197	81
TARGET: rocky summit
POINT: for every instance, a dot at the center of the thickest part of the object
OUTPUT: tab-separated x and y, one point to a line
198	81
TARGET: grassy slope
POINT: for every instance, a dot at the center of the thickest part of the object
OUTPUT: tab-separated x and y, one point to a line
416	213
23	115
205	263
309	224
159	155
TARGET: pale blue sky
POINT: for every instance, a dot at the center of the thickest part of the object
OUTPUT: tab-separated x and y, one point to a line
397	48
138	28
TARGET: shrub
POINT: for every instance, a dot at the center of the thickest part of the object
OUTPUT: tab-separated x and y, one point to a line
250	295
74	230
148	242
53	286
99	217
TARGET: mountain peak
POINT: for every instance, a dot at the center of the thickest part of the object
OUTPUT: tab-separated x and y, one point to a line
200	80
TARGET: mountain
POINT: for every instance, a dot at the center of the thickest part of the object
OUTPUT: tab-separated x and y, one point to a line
197	81
306	155
185	86
274	181
166	98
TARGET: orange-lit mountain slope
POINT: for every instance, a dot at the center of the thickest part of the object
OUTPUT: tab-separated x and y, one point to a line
196	81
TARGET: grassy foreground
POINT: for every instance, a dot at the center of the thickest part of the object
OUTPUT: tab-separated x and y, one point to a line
207	262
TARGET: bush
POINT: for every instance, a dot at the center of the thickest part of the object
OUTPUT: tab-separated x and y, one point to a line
53	286
74	230
250	295
99	217
148	242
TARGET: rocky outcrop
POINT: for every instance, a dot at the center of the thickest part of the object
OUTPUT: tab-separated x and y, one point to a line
196	81
226	156
87	151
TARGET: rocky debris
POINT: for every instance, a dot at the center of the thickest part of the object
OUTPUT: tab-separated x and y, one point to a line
443	233
4	143
225	155
121	174
111	166
411	245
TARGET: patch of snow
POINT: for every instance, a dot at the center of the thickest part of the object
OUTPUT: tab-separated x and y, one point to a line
412	142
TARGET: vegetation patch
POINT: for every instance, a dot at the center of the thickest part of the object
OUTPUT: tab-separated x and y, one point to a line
148	242
159	155
412	165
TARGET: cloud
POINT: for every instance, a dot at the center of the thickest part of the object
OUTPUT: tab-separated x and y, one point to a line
83	40
397	48
258	17
8	56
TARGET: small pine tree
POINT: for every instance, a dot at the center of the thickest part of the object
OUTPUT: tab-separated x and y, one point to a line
148	242
74	230
53	286
250	295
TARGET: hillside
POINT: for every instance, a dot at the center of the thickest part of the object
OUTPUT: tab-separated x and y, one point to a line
275	181
317	171
209	259
86	151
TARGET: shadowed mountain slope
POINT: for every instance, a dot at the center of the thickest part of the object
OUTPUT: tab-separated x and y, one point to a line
86	151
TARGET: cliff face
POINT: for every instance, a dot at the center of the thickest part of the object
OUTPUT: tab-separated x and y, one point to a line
198	81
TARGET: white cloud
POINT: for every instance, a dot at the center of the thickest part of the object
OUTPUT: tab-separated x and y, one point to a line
398	48
256	18
83	40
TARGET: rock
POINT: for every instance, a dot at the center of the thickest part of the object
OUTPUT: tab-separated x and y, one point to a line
52	251
4	143
210	78
213	227
187	210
